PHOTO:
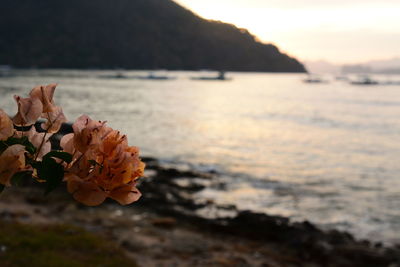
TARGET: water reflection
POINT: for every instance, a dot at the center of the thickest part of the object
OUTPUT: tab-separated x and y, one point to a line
327	153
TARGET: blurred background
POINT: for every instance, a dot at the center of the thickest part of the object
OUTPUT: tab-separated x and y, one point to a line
292	107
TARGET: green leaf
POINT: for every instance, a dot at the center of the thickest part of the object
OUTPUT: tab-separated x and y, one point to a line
2	186
50	171
18	177
3	146
14	141
30	148
67	157
18	141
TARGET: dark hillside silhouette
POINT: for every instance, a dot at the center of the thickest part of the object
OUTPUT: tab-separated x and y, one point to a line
132	34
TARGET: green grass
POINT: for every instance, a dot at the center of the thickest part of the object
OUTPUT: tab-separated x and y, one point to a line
57	245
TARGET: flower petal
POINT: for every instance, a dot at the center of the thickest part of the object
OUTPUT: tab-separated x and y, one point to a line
67	143
54	120
125	194
29	110
45	95
6	126
86	192
12	160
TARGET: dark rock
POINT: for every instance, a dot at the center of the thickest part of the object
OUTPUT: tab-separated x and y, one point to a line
165	222
169	192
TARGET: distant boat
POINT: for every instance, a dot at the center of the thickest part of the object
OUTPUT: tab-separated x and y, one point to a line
152	76
314	79
341	78
221	77
118	75
365	80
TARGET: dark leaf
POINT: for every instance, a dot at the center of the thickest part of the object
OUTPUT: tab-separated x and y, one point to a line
30	148
2	187
18	141
35	164
50	171
93	162
18	177
67	157
13	140
3	146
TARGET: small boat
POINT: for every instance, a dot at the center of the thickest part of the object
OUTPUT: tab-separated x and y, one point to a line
118	75
365	80
341	78
221	77
314	79
152	76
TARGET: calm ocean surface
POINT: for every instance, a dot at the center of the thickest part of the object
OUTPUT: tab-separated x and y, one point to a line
328	153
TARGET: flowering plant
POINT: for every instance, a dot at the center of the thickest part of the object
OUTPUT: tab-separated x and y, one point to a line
95	161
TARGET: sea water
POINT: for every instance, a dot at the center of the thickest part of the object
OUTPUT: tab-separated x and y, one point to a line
328	153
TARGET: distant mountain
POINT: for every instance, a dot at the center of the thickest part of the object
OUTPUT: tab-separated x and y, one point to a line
392	63
384	66
388	66
133	34
321	67
356	68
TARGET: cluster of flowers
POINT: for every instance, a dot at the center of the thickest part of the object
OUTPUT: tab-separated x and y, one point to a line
96	161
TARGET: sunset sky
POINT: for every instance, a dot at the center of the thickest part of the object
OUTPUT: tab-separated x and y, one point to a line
339	31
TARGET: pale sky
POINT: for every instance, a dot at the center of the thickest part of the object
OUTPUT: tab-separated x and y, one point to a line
339	31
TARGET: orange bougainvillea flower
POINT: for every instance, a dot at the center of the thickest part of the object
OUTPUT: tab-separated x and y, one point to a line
86	192
125	194
12	160
88	133
107	167
29	110
6	126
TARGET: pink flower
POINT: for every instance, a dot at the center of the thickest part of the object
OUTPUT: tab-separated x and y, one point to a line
54	121
45	95
29	110
40	104
12	160
6	126
67	143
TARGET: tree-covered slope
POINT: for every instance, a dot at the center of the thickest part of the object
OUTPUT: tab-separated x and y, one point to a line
134	34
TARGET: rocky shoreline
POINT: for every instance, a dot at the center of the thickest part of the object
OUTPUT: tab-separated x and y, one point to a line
170	226
168	191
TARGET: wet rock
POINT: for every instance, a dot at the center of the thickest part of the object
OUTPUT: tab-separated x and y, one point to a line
171	193
132	245
165	222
